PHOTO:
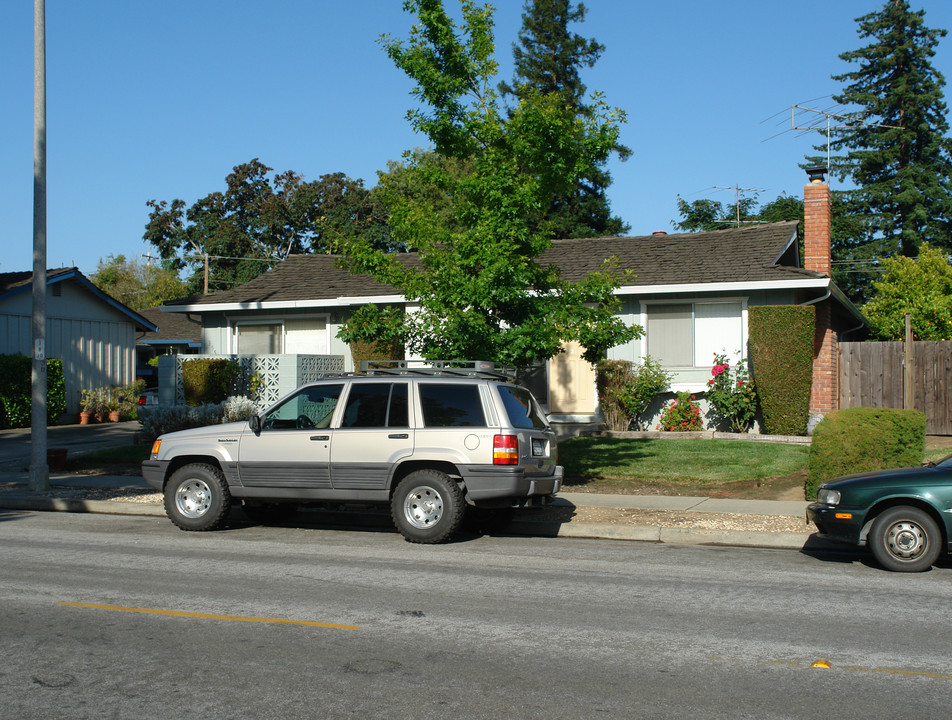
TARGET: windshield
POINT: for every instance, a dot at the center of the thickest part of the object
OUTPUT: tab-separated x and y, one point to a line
945	462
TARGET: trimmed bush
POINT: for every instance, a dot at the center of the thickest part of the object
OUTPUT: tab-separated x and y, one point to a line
625	390
16	391
863	439
781	352
208	380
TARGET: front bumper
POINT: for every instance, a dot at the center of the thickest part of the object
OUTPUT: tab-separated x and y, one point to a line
153	471
837	523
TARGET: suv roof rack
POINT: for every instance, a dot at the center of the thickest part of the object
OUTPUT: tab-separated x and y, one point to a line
457	368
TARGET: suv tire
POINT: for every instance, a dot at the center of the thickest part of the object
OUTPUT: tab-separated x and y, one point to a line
427	506
197	497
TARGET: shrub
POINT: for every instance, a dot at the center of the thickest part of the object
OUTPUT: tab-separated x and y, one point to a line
625	390
16	390
208	380
237	409
159	420
731	394
681	414
864	439
781	351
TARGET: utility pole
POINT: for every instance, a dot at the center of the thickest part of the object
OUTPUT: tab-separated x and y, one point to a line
39	469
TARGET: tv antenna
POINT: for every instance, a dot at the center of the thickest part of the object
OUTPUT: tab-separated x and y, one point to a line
737	191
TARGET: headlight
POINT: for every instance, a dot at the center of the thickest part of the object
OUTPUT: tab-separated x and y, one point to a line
828	497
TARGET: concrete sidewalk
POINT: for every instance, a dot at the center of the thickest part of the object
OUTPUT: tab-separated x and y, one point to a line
16	496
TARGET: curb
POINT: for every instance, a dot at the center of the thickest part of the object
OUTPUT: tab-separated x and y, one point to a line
596	531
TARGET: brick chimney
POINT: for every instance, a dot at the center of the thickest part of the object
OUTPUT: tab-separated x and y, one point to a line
816	223
824	395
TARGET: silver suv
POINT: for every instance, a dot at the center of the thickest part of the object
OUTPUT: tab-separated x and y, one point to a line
436	444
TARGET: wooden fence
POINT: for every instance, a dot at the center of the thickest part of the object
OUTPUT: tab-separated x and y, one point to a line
871	375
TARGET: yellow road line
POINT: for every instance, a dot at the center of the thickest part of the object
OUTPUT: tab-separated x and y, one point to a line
863	669
206	616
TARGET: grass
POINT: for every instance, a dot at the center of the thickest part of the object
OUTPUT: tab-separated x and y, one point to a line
721	467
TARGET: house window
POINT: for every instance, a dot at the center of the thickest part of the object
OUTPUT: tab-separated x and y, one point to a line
258	339
689	334
305	336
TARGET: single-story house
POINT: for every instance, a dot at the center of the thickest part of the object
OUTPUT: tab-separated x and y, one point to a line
90	331
691	296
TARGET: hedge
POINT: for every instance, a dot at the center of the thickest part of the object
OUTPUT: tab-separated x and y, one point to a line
781	353
16	390
859	440
208	381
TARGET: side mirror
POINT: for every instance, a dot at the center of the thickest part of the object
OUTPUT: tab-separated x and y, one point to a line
254	422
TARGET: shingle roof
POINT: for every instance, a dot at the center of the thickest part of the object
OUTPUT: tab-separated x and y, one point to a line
179	327
745	254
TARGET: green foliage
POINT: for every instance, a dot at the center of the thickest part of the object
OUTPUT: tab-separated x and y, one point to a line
864	439
208	381
160	420
731	394
681	414
625	390
922	288
781	352
706	214
16	391
259	219
547	61
894	148
480	290
136	285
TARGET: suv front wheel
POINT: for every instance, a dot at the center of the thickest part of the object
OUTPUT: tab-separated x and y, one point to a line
197	497
427	506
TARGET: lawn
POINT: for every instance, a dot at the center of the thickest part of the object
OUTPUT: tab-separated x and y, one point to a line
679	467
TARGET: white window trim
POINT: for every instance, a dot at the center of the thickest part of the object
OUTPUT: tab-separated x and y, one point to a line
697	300
235	323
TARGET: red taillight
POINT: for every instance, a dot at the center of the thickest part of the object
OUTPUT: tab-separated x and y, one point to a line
505	450
142	399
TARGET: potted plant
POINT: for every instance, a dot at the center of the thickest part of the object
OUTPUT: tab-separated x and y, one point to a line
88	406
111	403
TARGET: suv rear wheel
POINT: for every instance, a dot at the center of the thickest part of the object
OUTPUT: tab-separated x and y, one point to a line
427	506
197	497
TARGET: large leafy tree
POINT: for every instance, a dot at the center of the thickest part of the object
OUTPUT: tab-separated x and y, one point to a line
476	278
547	61
136	284
894	150
920	287
258	220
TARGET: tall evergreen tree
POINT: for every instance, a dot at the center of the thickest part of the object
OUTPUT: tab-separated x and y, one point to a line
547	60
896	154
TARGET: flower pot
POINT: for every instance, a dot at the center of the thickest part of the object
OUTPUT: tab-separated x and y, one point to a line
85	418
113	416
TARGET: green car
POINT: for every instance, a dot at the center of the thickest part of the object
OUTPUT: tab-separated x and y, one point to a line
904	516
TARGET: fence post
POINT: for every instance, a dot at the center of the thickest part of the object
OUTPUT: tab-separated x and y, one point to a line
908	374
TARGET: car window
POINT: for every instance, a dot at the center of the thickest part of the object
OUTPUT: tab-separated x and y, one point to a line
450	405
371	405
310	407
521	407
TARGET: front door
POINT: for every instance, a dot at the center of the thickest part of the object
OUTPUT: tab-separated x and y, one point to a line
294	447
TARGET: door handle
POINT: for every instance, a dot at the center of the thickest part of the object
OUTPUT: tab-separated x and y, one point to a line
398	436
320	437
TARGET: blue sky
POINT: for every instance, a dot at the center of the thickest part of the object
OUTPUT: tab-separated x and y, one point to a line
161	100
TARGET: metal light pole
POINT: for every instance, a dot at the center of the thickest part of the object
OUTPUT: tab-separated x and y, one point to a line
39	470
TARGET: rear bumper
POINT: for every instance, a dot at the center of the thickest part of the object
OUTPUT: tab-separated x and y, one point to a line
493	482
